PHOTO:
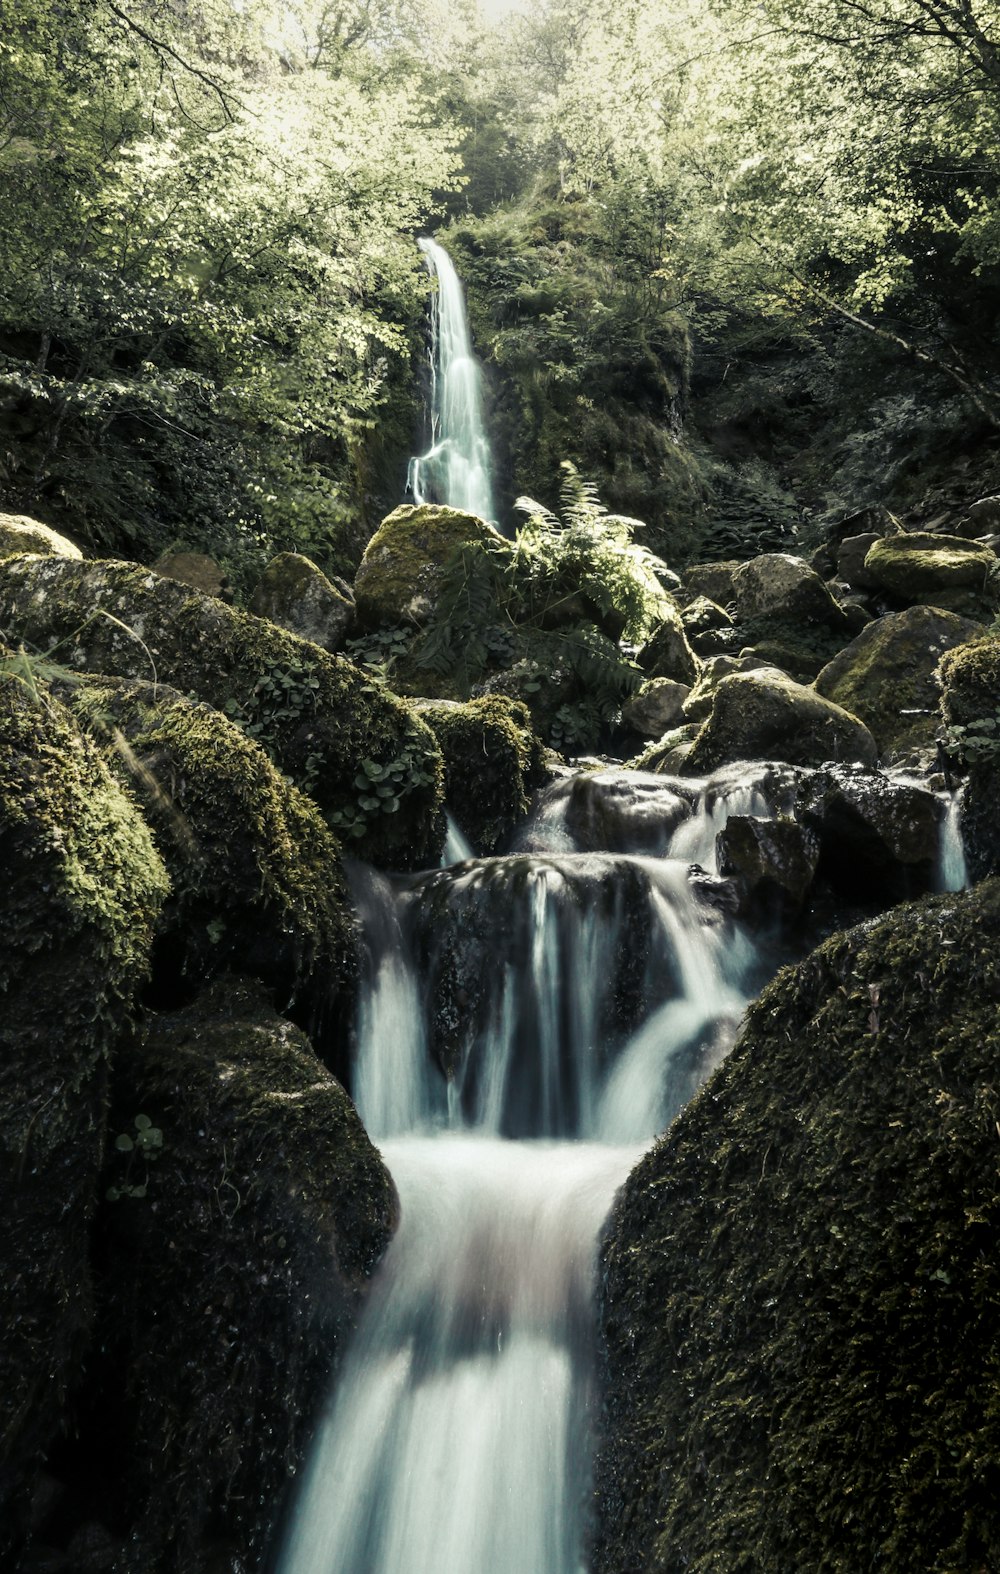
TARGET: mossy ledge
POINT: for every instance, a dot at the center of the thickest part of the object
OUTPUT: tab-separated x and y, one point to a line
492	760
316	714
787	1275
81	888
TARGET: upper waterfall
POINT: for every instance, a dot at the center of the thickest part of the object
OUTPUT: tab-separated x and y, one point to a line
456	468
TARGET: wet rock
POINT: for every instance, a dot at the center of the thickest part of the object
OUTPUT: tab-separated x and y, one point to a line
19	533
493	760
919	566
624	811
400	576
321	720
195	569
230	1280
667	654
763	714
878	837
255	873
851	562
81	889
886	674
656	707
780	587
786	1271
668	754
297	596
699	702
774	860
970	679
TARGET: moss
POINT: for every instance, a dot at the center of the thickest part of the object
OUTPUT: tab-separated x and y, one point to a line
255	872
970	680
801	1289
81	888
762	714
226	1292
492	760
914	566
317	716
886	674
19	533
400	575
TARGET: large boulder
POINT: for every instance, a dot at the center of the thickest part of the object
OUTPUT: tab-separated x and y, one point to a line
81	888
783	588
714	580
492	762
764	715
886	674
619	811
256	879
878	838
196	569
800	1285
295	594
917	567
699	702
970	678
19	533
232	1269
657	706
773	860
667	653
400	576
322	721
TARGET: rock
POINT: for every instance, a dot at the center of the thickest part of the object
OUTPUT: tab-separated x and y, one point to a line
873	522
609	811
255	873
230	1284
764	715
656	707
917	567
788	1276
19	534
667	653
774	860
970	680
492	761
297	596
886	674
783	588
82	885
399	578
668	755
985	515
196	569
321	720
702	615
851	562
779	645
699	702
712	580
878	837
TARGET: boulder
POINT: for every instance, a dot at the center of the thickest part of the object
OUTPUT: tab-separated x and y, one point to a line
82	885
985	515
699	702
713	580
401	573
799	1282
19	534
233	1269
970	680
619	811
322	721
667	653
782	588
851	561
492	761
917	567
764	715
774	861
654	708
255	873
196	569
886	674
297	596
878	837
667	756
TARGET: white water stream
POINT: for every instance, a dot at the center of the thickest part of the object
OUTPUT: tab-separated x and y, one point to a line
456	468
459	1438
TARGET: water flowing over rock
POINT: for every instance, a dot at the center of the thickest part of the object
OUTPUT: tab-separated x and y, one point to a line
456	469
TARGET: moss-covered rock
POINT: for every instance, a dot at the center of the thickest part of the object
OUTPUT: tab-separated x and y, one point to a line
782	587
801	1290
886	674
492	761
399	578
320	719
699	702
713	580
764	715
774	861
708	626
81	888
226	1285
970	679
297	595
19	533
656	707
256	880
914	567
667	653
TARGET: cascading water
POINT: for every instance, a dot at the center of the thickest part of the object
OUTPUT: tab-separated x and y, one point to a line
456	468
528	1024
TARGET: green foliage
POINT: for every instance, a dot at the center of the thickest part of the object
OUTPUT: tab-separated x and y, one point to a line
975	740
381	789
145	1142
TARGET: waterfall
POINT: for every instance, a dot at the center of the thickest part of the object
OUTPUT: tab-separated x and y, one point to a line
528	1023
456	468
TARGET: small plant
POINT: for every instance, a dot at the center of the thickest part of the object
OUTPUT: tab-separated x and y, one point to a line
381	650
144	1142
979	739
381	789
